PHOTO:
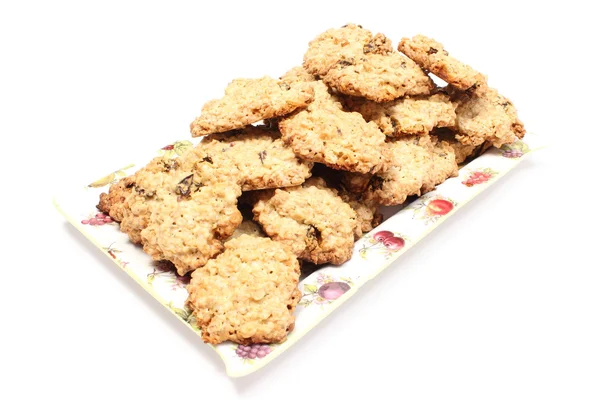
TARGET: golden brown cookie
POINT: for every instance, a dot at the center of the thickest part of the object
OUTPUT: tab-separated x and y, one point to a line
247	101
412	157
188	226
297	74
247	294
379	77
407	116
112	203
487	116
312	220
247	227
461	151
443	165
134	210
257	155
355	62
331	46
341	140
431	55
366	211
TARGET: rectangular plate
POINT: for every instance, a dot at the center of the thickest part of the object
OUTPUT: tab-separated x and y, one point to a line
408	224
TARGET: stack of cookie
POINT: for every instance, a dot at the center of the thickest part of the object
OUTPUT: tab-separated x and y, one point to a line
311	155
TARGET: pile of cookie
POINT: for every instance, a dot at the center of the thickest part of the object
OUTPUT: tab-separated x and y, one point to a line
293	170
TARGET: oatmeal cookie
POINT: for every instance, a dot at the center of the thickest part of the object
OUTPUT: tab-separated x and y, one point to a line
407	116
331	46
247	294
487	116
366	211
312	220
461	151
412	157
443	165
257	155
379	77
250	100
355	62
341	140
247	227
355	182
113	202
431	56
297	74
188	226
134	210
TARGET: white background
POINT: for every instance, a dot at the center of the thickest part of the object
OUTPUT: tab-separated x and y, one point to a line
501	302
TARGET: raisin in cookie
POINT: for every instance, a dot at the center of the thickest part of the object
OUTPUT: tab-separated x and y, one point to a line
247	294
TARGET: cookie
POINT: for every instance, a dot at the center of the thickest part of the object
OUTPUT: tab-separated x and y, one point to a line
134	210
331	46
257	155
113	202
247	101
247	294
355	62
366	211
407	116
312	220
378	77
461	151
341	140
443	165
188	229
431	56
487	116
247	227
412	157
296	75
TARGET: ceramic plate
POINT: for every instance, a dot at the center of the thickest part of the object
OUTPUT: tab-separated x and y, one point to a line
322	291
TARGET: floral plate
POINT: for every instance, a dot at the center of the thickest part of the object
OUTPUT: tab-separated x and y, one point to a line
323	290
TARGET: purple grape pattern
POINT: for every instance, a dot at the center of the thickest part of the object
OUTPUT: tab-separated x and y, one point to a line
514	150
253	351
326	290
